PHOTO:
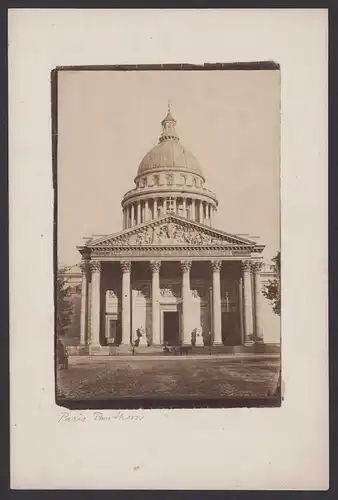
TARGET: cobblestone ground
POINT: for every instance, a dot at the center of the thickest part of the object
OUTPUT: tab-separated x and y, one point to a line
92	378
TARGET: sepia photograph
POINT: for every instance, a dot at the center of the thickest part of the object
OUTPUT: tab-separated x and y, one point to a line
167	236
168	249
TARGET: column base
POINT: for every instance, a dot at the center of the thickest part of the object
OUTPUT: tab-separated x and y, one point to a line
249	342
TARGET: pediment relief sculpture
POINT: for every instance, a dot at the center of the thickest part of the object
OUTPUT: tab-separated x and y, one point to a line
168	233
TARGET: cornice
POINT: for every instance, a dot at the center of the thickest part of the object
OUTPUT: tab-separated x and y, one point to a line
163	192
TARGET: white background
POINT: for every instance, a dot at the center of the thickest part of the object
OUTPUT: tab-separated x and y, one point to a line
282	448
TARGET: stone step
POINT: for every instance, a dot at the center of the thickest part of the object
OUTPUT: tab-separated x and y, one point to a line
84	350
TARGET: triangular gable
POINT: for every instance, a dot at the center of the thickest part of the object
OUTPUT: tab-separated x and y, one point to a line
170	230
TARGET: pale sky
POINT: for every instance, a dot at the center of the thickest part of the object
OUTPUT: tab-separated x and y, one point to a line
108	120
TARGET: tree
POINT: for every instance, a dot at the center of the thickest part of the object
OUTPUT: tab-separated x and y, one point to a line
64	309
272	289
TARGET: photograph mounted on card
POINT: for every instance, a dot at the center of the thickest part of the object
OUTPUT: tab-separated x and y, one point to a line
167	236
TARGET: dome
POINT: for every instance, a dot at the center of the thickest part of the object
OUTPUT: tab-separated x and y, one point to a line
169	154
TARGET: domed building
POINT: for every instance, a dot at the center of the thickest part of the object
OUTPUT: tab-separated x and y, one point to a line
169	277
169	180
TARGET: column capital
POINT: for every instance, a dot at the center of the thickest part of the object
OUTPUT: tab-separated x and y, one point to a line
246	265
95	266
216	265
155	266
256	266
125	266
186	265
84	266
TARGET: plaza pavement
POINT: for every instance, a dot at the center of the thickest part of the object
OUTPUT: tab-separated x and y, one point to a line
217	376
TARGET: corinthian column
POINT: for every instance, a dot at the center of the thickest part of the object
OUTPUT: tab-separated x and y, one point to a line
155	208
146	211
155	303
193	209
175	205
256	267
138	213
184	208
95	316
186	296
126	268
132	222
247	302
216	302
201	212
84	302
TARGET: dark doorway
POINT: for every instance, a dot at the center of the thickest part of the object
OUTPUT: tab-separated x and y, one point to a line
171	328
230	329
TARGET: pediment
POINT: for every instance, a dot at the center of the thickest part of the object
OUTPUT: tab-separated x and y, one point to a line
168	231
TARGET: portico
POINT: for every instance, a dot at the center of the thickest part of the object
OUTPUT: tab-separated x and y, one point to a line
219	296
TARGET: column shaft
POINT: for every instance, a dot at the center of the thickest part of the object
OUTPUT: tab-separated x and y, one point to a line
126	268
146	211
216	302
155	301
201	212
95	310
193	209
257	285
184	207
138	213
132	222
155	208
241	312
84	302
186	299
247	303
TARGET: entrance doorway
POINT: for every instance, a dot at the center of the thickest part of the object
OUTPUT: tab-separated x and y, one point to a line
111	337
230	329
171	328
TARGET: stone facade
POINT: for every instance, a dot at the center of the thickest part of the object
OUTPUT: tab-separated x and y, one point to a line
169	276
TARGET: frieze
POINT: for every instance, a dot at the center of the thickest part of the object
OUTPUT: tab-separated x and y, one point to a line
168	252
170	291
